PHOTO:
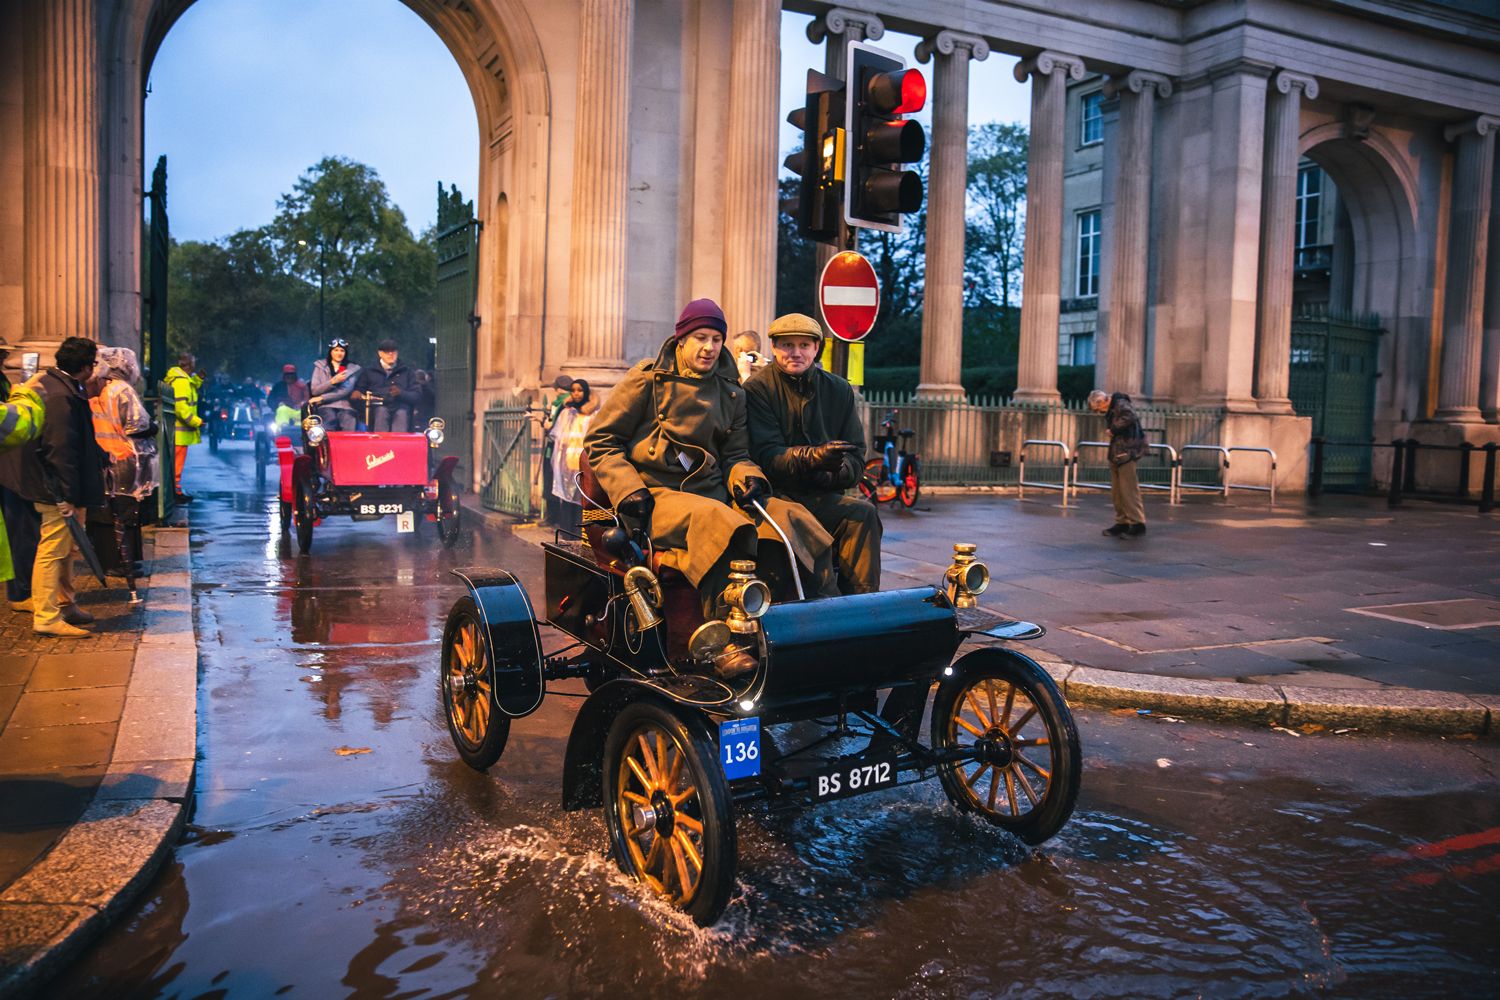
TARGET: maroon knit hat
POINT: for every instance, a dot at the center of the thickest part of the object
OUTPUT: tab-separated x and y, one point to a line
698	314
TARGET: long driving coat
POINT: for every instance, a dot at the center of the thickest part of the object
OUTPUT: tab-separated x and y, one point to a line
653	417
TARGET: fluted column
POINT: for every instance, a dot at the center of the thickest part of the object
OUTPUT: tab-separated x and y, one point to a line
837	28
1468	240
1042	261
1489	368
750	168
1126	225
948	181
1278	239
63	234
596	298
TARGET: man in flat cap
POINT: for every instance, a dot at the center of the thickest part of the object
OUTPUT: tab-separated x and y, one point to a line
387	391
805	432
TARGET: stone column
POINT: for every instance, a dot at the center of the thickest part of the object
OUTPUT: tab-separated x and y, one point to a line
838	27
1127	225
750	168
1489	368
63	233
1273	342
1042	253
596	296
1463	296
948	183
1232	250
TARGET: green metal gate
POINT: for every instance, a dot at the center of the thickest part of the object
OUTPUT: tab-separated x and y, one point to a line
1333	372
154	348
457	244
507	471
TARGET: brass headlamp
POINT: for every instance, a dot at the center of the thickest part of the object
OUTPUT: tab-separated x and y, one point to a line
967	578
313	431
748	597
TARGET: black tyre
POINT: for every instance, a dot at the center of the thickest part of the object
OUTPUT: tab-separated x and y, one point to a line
304	514
874	473
479	731
286	514
1027	764
667	806
448	515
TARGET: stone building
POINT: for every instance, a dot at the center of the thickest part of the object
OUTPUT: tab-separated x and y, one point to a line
629	163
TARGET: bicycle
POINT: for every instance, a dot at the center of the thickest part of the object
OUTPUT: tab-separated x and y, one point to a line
896	473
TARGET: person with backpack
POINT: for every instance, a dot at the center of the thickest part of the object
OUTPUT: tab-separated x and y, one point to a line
1127	445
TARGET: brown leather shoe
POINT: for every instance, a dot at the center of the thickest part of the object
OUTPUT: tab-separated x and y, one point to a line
61	630
734	662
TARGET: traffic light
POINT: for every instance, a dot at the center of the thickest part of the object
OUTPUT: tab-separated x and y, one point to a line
820	161
881	142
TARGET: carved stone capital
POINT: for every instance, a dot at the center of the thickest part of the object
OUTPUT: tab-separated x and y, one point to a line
1137	81
948	42
1047	62
1481	125
838	20
1286	80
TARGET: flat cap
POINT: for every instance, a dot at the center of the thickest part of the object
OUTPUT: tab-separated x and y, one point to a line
795	325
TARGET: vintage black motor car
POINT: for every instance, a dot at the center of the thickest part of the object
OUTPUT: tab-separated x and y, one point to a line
669	750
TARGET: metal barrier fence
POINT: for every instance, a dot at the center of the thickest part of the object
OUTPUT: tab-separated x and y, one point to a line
1067	460
973	442
1169	487
1403	474
1224	485
505	477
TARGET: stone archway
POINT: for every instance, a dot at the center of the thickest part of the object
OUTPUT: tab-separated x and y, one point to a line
1388	273
496	48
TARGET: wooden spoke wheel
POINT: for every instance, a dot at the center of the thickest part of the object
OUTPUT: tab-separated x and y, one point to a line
668	809
478	730
1025	764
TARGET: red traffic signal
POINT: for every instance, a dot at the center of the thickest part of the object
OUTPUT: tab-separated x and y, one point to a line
899	93
879	189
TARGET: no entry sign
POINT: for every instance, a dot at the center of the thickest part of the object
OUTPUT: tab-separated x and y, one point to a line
849	296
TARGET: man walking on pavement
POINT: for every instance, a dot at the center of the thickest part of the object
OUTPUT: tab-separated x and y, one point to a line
61	473
805	432
1127	445
184	382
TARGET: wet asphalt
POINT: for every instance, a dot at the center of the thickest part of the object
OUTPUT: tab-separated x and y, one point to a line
338	847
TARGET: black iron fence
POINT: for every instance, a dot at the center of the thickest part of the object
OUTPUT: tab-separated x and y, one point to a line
1405	453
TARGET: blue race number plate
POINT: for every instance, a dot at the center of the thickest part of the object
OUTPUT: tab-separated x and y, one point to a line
739	748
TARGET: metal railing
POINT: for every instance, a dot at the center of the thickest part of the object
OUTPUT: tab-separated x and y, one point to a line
505	478
971	442
1022	482
1225	484
1169	487
166	452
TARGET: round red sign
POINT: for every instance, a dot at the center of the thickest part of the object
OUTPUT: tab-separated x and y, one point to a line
849	295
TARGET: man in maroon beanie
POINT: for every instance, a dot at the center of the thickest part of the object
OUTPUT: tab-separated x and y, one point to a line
670	447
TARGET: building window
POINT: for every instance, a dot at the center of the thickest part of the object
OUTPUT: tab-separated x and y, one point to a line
1088	254
1081	349
1093	119
1309	206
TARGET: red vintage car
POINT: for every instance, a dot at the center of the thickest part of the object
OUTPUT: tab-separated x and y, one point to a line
367	476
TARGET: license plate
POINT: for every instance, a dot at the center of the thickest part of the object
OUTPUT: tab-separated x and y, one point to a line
739	748
853	778
406	521
381	508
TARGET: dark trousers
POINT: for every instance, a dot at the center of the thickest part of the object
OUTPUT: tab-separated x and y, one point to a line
387	418
548	497
24	527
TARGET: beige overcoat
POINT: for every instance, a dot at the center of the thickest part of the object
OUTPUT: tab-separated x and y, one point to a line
684	439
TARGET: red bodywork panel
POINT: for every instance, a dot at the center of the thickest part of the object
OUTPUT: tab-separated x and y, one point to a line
369	459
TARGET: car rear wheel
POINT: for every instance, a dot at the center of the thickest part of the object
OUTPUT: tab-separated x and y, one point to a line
448	515
479	732
304	514
1026	762
668	810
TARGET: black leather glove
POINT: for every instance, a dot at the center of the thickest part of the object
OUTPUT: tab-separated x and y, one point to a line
755	489
637	506
845	478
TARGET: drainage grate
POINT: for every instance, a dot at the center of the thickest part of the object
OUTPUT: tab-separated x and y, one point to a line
1465	612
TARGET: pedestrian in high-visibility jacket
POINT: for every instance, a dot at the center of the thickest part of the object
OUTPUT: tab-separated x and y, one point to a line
184	383
21	419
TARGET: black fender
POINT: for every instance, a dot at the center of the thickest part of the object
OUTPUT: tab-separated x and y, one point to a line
303	467
995	653
444	472
513	642
583	765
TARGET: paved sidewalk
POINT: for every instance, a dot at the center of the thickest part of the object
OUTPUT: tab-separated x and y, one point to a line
97	743
1332	612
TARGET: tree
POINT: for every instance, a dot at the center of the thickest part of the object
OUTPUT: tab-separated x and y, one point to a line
996	223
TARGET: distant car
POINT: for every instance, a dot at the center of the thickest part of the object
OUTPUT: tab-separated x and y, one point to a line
367	476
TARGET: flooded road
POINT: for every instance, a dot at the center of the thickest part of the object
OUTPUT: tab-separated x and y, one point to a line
340	848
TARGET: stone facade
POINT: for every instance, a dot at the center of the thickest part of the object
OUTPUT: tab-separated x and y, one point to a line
609	199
